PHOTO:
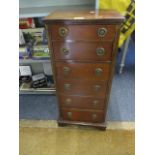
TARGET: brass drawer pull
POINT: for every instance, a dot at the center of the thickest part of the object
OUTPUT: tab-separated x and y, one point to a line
97	87
63	32
69	115
68	101
64	51
67	86
94	116
100	51
66	70
95	102
102	32
98	71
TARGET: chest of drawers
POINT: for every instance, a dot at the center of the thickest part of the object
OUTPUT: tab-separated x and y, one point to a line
83	47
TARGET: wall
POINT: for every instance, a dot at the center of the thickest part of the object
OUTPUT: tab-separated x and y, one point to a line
44	3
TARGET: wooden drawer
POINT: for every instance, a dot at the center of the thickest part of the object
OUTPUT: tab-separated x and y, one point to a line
82	87
82	102
100	51
79	70
83	32
95	116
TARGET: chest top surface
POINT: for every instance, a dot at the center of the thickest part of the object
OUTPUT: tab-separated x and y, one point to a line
110	16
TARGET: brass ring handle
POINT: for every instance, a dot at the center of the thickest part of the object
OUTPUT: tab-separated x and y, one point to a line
95	102
100	51
94	116
67	86
66	70
102	32
98	71
68	101
69	115
64	51
63	32
97	87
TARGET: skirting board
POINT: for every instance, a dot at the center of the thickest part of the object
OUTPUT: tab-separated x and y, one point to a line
112	125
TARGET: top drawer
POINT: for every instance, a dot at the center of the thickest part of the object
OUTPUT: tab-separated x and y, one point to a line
83	32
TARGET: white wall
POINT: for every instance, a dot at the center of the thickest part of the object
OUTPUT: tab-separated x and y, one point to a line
43	3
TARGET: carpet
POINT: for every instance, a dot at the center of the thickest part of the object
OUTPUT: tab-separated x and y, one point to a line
75	141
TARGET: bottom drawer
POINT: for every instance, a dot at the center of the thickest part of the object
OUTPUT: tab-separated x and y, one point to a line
83	115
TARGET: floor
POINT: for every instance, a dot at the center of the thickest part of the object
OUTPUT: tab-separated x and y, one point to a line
121	104
75	141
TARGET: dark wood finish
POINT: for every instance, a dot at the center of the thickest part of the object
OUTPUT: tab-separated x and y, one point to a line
112	69
83	50
82	87
100	126
94	116
82	32
84	17
82	71
81	76
81	102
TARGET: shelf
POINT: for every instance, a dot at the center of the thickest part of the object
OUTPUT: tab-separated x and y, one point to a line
30	30
25	61
37	91
25	89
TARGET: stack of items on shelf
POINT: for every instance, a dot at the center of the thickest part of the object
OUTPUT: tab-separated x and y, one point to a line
32	39
25	23
39	80
27	80
25	74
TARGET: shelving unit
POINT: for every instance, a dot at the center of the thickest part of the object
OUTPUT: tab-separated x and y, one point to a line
36	59
26	61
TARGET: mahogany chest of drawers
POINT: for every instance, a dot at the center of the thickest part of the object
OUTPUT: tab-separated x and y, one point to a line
83	47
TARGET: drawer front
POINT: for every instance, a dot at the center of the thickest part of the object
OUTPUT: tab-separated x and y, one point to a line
75	70
82	102
83	32
82	87
101	51
83	116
